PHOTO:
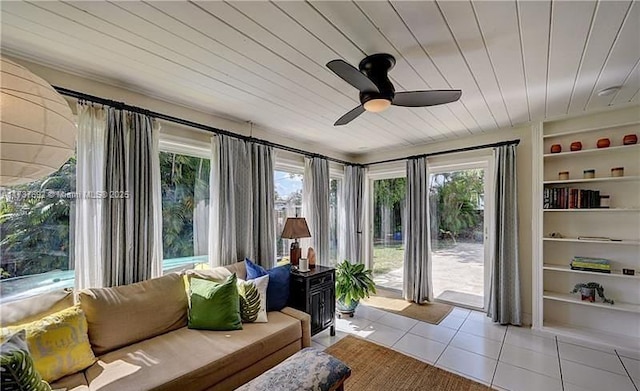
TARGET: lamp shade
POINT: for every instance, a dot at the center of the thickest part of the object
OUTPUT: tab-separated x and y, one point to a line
295	228
37	130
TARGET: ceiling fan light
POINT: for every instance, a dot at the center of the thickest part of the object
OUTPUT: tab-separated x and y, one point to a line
377	105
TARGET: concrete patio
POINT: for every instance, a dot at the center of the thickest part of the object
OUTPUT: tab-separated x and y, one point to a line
457	274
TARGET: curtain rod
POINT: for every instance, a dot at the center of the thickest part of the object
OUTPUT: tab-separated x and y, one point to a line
123	106
465	149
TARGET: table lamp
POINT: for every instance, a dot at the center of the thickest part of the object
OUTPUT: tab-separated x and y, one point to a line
295	228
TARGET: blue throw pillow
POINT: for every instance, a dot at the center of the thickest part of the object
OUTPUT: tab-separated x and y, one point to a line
278	288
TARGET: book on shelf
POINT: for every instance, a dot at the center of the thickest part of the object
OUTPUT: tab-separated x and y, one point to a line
601	261
591	264
588	269
570	198
599	238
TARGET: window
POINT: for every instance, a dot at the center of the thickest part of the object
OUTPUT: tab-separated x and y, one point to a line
36	231
288	203
334	202
184	182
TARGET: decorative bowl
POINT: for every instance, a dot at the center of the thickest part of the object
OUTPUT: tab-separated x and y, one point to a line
603	143
576	146
556	148
630	139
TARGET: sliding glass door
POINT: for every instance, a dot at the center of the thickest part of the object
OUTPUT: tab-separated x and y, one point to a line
458	219
388	229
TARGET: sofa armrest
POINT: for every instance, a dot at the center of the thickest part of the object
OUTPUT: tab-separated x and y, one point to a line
305	319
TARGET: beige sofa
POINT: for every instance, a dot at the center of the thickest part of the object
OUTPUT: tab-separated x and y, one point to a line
139	335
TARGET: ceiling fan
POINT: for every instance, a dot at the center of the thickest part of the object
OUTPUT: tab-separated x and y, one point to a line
377	92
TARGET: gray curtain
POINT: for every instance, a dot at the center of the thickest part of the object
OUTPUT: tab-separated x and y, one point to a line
417	256
128	231
201	212
504	295
316	206
242	193
352	215
264	247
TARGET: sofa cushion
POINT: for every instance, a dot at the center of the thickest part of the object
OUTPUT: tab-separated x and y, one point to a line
219	273
122	315
192	360
239	269
278	289
18	371
215	274
58	343
36	307
75	382
214	305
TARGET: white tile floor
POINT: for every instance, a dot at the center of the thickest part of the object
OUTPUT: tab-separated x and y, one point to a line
503	357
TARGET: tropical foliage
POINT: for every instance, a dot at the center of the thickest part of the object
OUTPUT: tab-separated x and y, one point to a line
34	224
388	202
35	230
184	185
455	199
353	282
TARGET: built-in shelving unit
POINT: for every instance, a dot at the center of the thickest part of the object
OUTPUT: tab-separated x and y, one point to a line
593	180
567	298
614	273
622	148
576	240
606	210
558	230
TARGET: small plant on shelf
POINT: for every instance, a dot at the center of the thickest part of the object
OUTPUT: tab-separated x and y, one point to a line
588	291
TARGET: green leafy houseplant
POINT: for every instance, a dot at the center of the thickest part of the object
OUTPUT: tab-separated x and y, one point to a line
353	283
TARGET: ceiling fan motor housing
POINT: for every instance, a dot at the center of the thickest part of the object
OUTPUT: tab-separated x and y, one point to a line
376	67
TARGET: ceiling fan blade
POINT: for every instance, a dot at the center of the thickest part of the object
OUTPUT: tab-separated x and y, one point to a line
352	75
426	98
350	116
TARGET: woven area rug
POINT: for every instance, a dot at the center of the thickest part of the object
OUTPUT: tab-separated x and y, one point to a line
392	301
374	367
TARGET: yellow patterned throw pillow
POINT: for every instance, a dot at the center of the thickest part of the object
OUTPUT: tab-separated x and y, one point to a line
58	343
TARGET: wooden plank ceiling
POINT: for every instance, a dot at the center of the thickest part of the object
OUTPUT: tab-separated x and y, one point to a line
516	61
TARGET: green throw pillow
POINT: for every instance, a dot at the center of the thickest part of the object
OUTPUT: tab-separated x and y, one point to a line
17	372
214	305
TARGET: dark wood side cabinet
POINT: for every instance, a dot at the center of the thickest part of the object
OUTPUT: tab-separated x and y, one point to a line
314	292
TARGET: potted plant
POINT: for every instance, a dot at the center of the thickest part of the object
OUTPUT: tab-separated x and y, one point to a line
353	283
588	291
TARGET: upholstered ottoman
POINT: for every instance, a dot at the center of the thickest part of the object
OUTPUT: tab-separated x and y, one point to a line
308	370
